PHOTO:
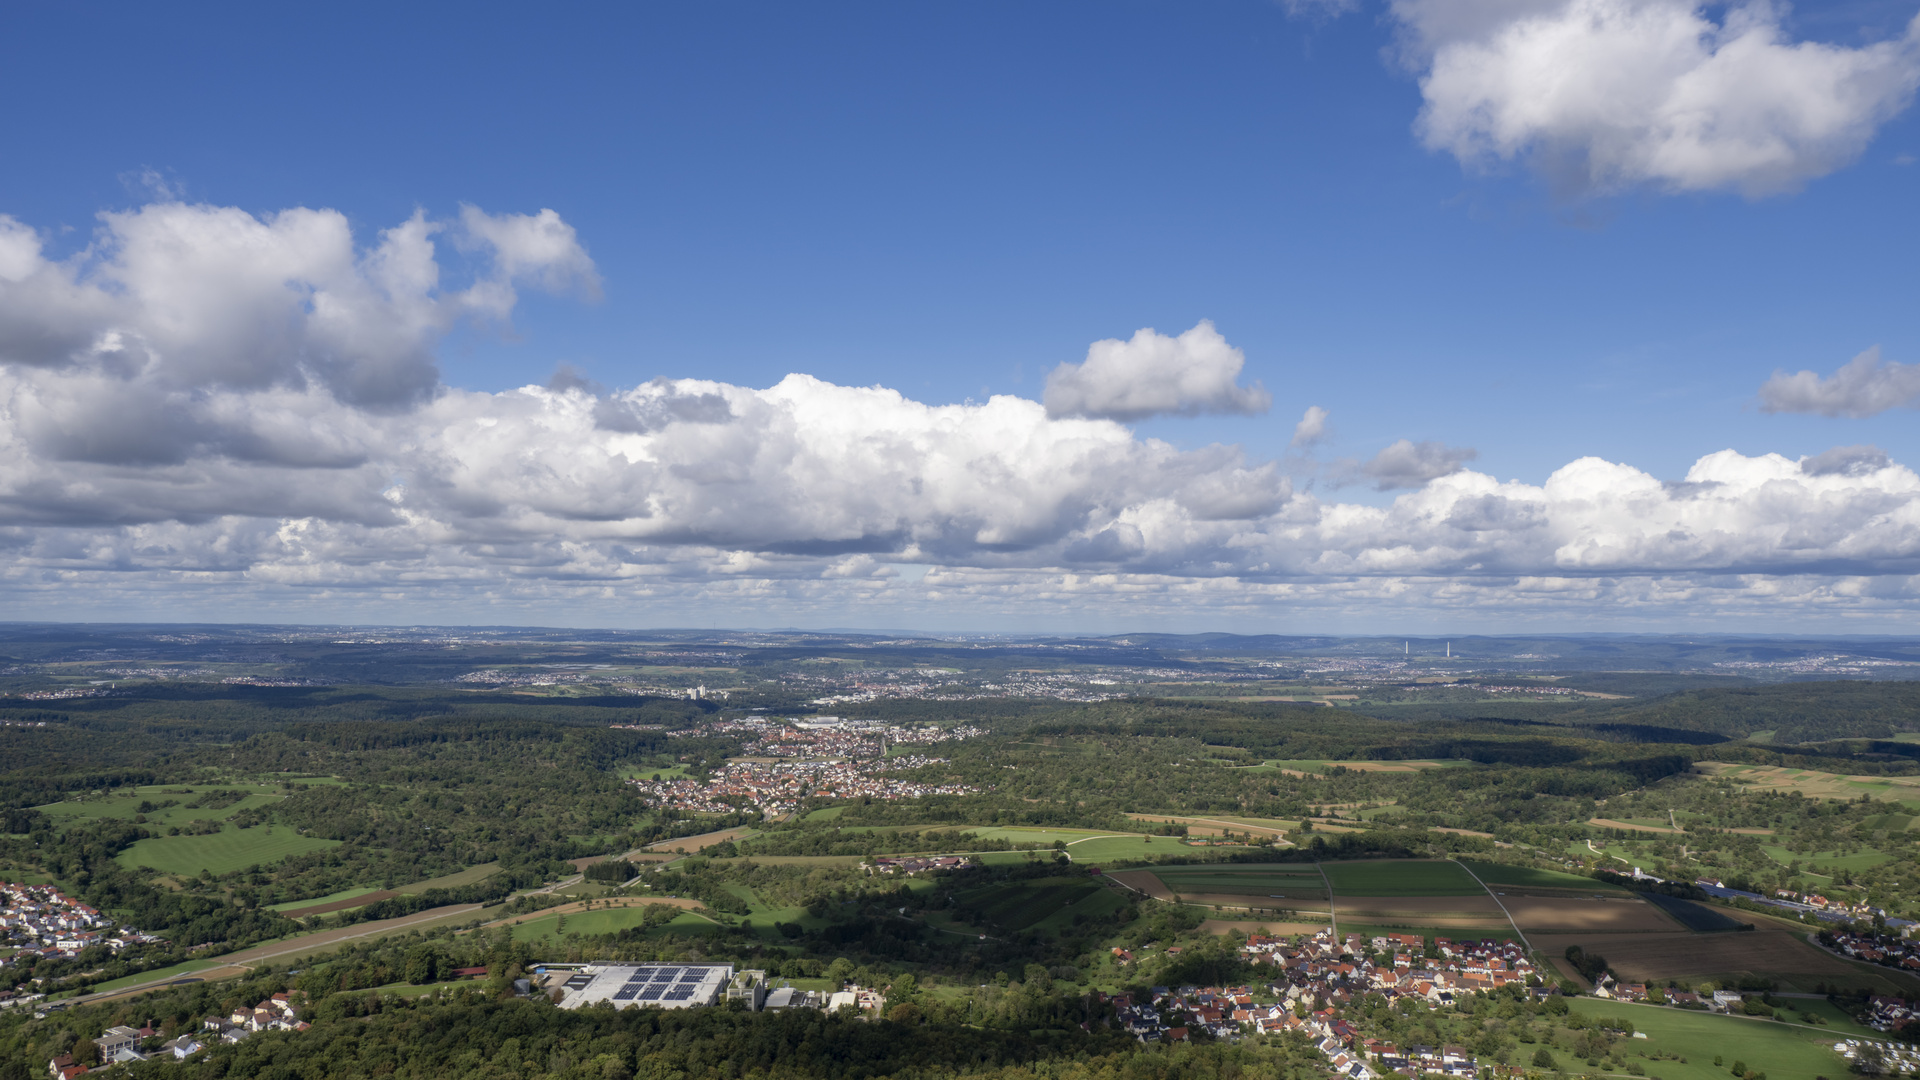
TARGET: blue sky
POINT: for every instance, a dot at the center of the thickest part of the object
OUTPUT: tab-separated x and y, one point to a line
953	200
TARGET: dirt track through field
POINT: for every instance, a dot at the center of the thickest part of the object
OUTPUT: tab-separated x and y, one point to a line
345	933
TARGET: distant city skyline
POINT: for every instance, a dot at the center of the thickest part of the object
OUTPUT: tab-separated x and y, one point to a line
1322	316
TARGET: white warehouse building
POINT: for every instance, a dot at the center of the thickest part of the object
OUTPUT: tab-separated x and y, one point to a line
663	986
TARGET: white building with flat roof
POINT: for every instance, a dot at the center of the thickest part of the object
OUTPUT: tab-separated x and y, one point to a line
663	986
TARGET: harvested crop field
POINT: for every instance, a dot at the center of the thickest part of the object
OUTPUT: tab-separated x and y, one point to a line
1142	881
1776	954
701	842
1451	912
1619	915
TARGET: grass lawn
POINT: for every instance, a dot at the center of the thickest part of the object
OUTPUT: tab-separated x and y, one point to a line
1529	877
173	972
1778	1049
1400	877
343	894
221	853
825	813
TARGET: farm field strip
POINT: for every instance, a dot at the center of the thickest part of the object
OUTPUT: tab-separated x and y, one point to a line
1524	877
1399	877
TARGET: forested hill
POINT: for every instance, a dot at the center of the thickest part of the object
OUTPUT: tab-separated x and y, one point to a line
1793	712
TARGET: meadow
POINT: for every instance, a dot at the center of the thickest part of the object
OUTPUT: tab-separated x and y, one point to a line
219	853
1780	1050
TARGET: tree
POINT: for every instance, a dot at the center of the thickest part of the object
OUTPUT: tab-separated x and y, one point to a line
423	964
1543	1059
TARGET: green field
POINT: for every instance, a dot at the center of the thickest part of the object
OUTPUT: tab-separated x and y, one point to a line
1109	849
1400	877
1780	1050
1294	882
221	853
1529	877
825	813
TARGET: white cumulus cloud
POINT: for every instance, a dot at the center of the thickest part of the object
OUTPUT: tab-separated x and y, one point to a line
1604	95
1153	374
195	437
1865	386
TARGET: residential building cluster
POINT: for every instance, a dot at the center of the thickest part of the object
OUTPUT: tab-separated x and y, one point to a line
43	923
1891	1013
949	684
122	1045
1801	903
1324	967
915	864
778	787
1320	974
1884	949
65	694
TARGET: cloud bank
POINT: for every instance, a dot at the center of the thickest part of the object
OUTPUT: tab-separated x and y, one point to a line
1605	95
1865	386
204	403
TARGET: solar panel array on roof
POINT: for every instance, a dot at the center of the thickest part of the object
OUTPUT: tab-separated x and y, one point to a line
674	986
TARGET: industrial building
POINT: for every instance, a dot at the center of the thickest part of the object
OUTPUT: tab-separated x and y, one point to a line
663	986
